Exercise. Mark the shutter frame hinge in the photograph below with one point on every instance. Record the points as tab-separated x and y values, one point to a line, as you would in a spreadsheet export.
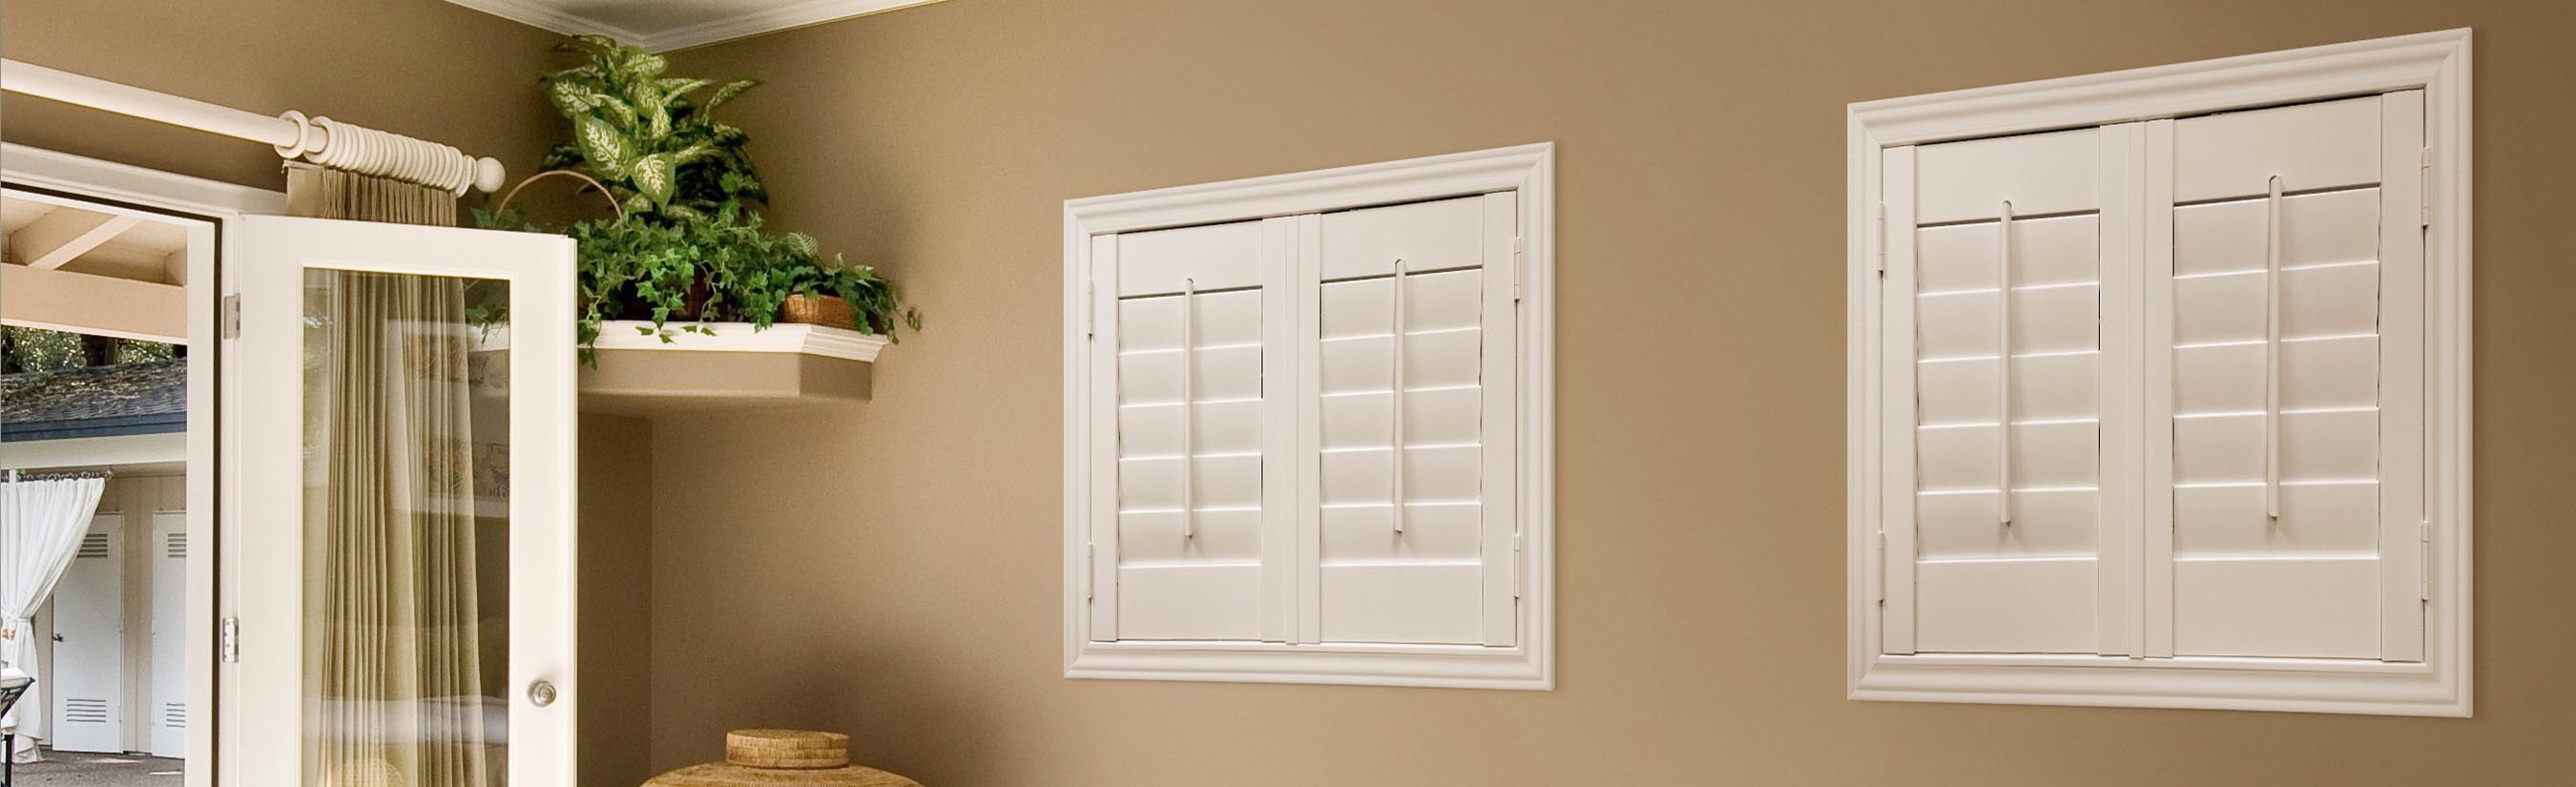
2424	560
2423	188
228	640
1881	256
1089	570
1882	566
1516	566
228	317
1520	255
1090	307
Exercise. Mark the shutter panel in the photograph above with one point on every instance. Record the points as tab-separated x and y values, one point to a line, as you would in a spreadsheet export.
1411	432
2290	309
1997	394
1193	511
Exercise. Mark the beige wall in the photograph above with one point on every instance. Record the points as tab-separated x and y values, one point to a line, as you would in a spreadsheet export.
615	608
892	570
421	67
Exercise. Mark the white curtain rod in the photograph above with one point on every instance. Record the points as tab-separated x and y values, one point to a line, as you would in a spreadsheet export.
320	140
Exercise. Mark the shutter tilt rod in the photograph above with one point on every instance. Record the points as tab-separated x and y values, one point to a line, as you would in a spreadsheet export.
2272	353
2003	366
1189	451
320	140
1395	401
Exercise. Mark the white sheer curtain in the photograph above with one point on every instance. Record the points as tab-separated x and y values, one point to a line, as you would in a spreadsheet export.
41	523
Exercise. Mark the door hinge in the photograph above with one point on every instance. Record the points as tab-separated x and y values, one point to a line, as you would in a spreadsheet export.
228	317
2424	188
1087	571
1881	256
1882	566
2423	560
228	641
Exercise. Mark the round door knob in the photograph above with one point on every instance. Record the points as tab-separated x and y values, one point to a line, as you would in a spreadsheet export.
542	693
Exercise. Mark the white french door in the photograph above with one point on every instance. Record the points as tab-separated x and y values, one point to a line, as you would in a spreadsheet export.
399	419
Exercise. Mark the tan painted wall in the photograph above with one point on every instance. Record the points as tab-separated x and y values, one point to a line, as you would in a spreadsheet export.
421	67
615	608
893	570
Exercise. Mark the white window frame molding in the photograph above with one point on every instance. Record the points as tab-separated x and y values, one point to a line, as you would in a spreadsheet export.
215	210
1531	664
2437	63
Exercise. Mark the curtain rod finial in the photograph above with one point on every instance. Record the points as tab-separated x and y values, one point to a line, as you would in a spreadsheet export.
489	175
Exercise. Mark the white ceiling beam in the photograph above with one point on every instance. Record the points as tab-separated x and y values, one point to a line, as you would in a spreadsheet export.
65	234
99	305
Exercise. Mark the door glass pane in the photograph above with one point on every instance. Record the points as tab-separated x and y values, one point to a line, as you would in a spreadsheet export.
406	530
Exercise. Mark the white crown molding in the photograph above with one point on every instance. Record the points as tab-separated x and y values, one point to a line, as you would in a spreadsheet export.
539	16
765	20
770	20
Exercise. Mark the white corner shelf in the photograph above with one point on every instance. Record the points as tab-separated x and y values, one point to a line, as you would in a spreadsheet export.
731	365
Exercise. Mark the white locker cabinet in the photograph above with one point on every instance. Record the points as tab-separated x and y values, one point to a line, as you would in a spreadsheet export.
1307	444
168	710
89	688
2160	387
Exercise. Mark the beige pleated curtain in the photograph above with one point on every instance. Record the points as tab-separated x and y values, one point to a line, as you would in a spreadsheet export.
395	688
320	193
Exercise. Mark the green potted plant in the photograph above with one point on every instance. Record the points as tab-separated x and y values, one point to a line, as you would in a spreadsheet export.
688	243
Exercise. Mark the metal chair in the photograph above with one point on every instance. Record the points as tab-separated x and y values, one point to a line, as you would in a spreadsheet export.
12	686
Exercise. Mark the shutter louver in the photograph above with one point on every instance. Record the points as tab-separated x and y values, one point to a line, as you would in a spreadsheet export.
2000	522
1190	317
2284	303
1410	424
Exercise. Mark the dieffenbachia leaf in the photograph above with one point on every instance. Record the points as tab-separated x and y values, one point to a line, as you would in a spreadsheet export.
574	99
654	177
680	86
607	149
727	93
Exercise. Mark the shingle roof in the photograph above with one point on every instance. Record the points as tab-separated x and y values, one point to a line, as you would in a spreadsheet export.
95	401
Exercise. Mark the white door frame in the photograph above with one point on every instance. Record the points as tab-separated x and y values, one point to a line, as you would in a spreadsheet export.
220	207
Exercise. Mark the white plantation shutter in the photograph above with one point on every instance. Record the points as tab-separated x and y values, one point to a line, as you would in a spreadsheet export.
2292	474
2207	369
2002	399
1256	488
1189	540
1410	435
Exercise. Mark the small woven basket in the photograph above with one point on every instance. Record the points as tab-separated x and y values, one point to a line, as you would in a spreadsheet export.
782	758
829	311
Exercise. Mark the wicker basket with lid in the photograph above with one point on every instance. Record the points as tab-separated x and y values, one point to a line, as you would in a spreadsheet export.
782	758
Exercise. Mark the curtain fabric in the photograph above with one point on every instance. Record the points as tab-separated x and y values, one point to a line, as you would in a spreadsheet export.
41	524
394	684
315	192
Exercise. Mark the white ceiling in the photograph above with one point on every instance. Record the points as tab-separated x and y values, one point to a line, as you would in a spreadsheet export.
664	25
